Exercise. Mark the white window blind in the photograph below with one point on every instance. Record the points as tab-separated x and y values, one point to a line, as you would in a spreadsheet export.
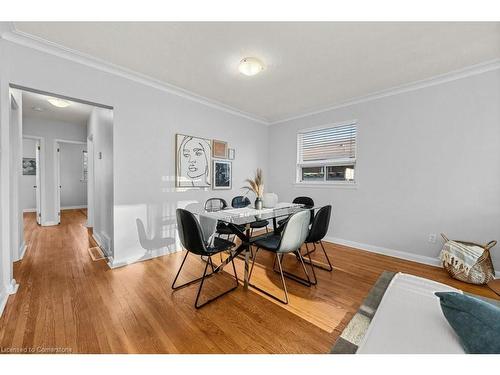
333	145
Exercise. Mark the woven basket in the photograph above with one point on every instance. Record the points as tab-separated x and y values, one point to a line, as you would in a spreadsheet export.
481	273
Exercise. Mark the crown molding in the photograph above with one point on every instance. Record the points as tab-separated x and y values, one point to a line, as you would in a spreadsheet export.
30	41
8	32
417	85
6	27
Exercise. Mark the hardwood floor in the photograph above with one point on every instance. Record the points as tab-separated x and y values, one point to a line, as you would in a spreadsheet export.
68	303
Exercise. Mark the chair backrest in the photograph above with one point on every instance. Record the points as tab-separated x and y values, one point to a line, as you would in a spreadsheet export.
320	224
190	232
306	201
240	202
215	204
295	232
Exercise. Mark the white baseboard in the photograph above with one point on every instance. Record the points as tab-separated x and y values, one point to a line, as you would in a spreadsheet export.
149	255
5	293
385	251
73	207
391	252
49	223
3	300
102	240
22	251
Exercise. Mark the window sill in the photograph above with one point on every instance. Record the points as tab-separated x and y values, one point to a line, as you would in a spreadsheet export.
327	185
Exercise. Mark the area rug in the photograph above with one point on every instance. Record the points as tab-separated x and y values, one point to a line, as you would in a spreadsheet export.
354	332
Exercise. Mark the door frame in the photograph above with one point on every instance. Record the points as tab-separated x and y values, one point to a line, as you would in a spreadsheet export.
41	169
57	171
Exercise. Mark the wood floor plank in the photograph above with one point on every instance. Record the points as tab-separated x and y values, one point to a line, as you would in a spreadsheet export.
66	300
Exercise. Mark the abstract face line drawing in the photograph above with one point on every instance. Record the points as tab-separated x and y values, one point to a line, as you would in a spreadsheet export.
193	161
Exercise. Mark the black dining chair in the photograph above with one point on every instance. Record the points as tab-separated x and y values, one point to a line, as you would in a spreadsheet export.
293	237
241	202
191	238
306	201
318	231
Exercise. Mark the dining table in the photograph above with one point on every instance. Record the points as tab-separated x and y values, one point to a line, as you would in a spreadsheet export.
239	220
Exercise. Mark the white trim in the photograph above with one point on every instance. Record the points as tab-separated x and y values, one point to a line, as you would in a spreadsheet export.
40	44
29	210
13	287
57	174
41	169
326	185
49	223
407	87
423	259
385	251
73	207
4	296
131	260
22	251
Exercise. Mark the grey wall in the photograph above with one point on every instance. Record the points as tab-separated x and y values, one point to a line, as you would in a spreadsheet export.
73	188
27	192
428	162
51	130
145	122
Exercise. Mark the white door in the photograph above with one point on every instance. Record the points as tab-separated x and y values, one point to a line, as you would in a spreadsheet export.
38	195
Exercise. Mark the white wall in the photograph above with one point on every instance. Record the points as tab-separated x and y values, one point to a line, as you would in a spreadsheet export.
26	190
100	131
51	130
73	188
428	162
145	121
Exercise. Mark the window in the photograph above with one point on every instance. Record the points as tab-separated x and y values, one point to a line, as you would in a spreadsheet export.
327	155
85	166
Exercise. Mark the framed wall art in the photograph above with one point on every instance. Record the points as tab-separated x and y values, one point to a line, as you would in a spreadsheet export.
222	176
192	161
219	149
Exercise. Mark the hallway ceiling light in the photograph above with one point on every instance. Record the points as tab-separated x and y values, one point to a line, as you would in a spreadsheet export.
250	66
59	103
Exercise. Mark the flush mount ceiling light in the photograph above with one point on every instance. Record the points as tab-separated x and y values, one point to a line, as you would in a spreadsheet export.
250	66
59	103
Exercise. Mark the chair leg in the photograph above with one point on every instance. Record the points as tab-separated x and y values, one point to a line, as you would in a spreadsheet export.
198	306
315	282
202	278
300	280
322	266
285	301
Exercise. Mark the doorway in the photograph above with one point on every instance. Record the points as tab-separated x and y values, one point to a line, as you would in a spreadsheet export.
71	172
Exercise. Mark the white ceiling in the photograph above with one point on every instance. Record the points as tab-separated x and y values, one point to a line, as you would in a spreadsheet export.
75	113
310	66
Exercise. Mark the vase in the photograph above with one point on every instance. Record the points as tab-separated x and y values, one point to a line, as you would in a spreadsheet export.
258	203
269	200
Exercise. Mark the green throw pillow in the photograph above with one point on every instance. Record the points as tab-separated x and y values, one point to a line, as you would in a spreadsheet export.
476	322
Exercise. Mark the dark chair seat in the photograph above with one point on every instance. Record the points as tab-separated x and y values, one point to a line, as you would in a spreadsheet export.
259	224
271	242
219	245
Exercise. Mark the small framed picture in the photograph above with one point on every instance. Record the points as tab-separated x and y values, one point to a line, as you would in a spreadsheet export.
219	149
29	166
230	154
222	171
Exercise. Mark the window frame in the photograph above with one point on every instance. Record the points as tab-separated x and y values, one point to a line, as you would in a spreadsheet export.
327	163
